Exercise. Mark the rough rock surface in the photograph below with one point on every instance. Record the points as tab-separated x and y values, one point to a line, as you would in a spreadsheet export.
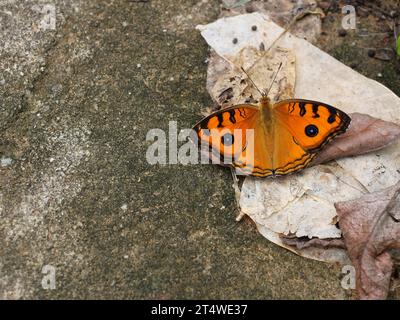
76	191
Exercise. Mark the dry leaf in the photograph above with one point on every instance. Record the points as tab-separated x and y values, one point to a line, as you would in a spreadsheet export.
302	243
300	204
333	254
282	206
371	228
282	12
366	134
229	86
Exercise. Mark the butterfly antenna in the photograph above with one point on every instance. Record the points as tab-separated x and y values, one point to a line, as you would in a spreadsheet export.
252	82
273	80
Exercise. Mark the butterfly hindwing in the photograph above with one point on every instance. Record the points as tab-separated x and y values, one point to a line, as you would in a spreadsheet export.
288	156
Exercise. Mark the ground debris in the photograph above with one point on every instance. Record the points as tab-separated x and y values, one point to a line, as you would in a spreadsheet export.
371	229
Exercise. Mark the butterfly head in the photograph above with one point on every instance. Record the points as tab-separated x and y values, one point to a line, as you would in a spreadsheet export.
265	103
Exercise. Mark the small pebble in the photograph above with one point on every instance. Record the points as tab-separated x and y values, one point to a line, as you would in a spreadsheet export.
235	40
384	54
371	53
254	28
249	9
324	5
5	162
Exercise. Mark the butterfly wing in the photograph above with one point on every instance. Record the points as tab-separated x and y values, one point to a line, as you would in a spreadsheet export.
231	136
237	136
302	128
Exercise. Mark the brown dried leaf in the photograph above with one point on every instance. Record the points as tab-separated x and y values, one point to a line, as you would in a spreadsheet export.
365	134
371	229
305	242
229	86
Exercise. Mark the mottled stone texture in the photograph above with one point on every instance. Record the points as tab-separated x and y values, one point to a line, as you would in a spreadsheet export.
76	191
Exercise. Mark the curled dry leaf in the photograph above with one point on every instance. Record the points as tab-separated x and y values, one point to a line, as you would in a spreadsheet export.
366	134
334	254
371	229
303	243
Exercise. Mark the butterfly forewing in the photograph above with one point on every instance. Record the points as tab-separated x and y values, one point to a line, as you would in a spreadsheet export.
228	135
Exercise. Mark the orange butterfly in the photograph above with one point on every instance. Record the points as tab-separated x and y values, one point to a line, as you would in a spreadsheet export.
286	136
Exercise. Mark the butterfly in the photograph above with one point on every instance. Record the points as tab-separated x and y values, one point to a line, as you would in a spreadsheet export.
270	139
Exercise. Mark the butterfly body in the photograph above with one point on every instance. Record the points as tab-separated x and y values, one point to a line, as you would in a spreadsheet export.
270	139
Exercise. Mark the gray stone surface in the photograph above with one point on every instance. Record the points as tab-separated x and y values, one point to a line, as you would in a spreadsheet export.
76	191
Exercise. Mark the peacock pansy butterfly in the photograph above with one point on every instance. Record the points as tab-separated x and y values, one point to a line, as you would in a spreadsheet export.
287	135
